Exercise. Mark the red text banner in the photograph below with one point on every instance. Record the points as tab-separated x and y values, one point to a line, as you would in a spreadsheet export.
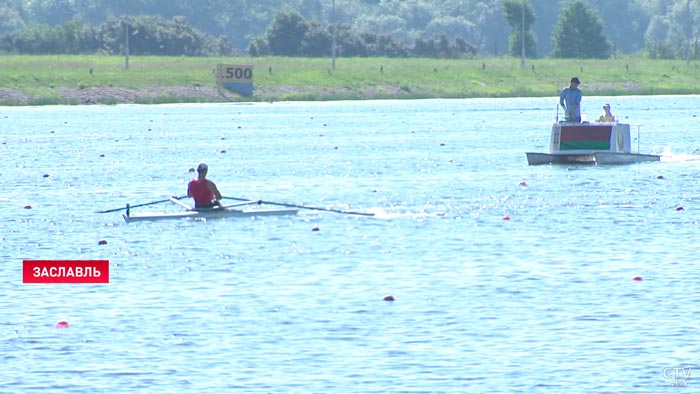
65	271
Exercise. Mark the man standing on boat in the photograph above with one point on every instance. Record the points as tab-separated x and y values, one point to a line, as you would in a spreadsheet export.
570	100
204	191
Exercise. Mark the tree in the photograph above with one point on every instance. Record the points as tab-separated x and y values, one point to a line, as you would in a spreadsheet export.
655	39
683	30
10	19
285	34
317	41
513	13
152	35
627	36
578	33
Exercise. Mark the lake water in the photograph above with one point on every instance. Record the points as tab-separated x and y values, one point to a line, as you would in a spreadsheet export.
543	302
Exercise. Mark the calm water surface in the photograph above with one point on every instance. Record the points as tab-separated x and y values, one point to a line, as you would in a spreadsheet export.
543	302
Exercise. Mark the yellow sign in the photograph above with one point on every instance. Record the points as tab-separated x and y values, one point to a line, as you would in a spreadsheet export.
237	73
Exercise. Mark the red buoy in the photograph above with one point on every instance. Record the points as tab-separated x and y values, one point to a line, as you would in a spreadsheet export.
389	297
680	208
523	183
638	278
62	324
506	217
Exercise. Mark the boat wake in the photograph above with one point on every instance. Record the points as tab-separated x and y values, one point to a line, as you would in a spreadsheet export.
380	213
668	156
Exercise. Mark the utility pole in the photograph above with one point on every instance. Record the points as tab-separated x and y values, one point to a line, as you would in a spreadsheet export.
333	48
522	36
126	44
688	33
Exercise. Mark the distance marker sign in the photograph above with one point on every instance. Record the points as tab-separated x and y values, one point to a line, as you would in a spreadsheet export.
236	78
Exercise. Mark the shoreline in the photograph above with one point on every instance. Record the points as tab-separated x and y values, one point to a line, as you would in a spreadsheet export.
118	95
198	94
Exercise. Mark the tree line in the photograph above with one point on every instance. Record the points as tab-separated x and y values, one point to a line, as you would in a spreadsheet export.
147	35
290	34
657	28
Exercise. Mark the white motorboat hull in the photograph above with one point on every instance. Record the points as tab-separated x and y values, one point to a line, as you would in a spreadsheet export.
534	158
623	158
597	158
585	143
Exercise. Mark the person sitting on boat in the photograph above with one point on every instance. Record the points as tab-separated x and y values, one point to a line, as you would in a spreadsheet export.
204	191
606	116
570	100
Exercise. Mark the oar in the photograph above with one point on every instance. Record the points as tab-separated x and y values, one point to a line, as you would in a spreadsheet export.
140	205
180	203
245	202
302	206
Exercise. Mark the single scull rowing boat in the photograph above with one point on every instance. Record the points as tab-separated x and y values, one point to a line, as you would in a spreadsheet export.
214	213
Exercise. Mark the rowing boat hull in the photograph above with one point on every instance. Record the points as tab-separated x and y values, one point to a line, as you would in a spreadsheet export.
210	214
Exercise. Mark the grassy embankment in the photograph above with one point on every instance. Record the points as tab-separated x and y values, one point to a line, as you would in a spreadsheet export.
51	79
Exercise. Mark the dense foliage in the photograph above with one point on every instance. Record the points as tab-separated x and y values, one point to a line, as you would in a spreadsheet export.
291	35
579	33
660	28
147	35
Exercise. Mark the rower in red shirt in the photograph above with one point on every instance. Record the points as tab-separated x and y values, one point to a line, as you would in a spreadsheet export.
204	191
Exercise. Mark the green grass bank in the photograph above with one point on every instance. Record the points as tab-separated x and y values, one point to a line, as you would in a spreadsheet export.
85	79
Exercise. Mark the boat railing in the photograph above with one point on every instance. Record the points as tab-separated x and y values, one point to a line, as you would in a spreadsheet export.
639	126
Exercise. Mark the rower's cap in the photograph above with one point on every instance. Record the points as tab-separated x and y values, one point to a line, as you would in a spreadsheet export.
575	80
202	167
606	106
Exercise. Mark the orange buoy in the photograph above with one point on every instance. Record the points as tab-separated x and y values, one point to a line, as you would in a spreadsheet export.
523	183
62	324
102	242
637	278
27	207
316	228
506	217
389	297
680	208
